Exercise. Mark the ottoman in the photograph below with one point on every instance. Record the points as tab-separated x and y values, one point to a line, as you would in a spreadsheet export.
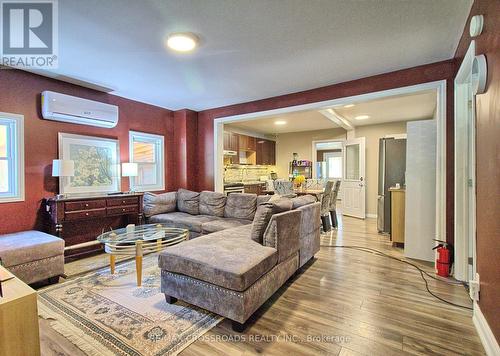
32	255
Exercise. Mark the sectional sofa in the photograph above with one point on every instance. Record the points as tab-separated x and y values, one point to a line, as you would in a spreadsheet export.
245	249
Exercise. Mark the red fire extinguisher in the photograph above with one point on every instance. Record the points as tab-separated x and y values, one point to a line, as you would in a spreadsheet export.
443	261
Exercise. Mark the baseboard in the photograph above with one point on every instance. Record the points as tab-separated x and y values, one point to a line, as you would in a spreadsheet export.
488	340
371	216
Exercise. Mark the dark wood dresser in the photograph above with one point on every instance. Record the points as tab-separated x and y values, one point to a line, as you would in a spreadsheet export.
79	220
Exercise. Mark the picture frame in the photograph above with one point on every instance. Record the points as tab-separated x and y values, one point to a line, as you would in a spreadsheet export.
97	164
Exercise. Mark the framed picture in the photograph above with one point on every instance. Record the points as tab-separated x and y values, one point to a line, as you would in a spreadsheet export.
97	164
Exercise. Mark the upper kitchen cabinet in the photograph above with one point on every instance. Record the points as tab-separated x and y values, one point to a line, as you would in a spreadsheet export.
247	143
266	152
230	141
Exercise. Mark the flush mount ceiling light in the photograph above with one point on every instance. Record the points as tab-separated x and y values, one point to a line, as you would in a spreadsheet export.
182	42
362	117
348	106
280	122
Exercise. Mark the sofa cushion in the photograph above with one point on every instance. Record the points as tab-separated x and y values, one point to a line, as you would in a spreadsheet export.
159	203
263	199
212	203
264	213
29	246
223	224
182	220
188	201
220	258
240	206
303	200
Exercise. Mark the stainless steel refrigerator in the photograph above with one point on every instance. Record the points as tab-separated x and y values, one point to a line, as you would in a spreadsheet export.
391	170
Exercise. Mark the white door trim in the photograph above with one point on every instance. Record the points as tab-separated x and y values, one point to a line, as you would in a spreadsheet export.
315	151
463	202
487	337
439	85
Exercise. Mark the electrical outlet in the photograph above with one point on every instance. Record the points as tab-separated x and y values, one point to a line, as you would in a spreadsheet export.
474	288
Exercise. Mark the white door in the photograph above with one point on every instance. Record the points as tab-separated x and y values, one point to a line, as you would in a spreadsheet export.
353	203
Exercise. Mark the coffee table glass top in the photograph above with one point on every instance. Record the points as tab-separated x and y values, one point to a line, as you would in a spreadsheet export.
149	232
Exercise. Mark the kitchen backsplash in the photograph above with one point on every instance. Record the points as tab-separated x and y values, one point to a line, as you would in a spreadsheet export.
237	173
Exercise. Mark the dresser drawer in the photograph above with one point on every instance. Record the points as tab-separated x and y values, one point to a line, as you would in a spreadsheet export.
84	205
120	210
122	201
85	214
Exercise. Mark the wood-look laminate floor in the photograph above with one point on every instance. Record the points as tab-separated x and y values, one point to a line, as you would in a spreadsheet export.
345	302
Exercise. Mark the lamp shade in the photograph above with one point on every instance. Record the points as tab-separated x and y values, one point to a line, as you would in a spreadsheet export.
129	169
63	168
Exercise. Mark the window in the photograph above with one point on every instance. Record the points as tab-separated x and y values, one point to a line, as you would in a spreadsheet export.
333	164
147	150
11	158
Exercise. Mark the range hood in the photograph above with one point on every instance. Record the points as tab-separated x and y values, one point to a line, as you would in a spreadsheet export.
230	153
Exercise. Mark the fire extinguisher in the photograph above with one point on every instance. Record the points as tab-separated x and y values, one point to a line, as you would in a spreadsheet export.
443	261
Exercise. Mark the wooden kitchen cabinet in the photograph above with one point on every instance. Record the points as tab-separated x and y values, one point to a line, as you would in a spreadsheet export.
247	143
397	216
231	141
257	188
266	152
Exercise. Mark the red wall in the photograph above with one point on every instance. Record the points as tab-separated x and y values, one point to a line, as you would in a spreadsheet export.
20	94
417	75
487	161
185	146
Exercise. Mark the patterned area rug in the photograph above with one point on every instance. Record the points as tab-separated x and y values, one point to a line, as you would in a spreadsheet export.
105	314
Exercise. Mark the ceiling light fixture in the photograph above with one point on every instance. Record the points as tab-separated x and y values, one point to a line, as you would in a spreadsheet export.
348	106
280	122
182	42
362	117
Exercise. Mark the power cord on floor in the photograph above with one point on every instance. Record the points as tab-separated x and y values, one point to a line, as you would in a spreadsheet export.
422	272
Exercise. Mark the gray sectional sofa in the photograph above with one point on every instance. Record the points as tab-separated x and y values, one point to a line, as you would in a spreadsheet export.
245	249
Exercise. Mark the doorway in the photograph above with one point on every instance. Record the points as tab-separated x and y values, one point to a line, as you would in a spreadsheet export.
465	171
438	86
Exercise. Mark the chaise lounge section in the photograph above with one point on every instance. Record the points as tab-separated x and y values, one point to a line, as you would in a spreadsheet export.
233	271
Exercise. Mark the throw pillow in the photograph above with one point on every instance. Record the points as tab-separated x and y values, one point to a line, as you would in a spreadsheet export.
159	203
188	201
212	203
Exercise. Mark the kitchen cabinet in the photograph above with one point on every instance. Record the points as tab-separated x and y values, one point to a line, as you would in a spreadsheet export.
247	143
231	141
266	152
256	188
397	216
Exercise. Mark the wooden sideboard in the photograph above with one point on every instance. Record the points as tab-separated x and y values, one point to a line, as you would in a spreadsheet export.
18	317
93	213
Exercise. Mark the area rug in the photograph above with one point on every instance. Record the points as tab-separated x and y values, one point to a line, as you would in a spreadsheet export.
105	314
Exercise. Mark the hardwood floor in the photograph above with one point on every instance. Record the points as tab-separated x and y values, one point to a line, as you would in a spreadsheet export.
345	302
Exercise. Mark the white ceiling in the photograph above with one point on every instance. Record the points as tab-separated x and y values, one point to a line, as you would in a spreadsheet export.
418	106
295	122
250	49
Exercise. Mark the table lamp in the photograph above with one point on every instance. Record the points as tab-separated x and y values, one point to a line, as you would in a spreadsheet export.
63	168
130	169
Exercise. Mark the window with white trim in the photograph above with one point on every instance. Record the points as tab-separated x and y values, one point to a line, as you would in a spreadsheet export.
11	158
147	150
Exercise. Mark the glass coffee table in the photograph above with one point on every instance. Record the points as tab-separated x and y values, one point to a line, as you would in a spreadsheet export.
139	240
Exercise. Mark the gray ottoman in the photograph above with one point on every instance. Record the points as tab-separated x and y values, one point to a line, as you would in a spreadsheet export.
32	255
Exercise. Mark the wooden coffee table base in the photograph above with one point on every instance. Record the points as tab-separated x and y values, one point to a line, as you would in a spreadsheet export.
137	249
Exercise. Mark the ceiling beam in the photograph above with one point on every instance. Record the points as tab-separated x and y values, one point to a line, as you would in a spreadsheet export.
338	119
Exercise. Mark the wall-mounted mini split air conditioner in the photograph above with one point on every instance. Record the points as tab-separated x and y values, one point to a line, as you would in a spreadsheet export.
67	108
